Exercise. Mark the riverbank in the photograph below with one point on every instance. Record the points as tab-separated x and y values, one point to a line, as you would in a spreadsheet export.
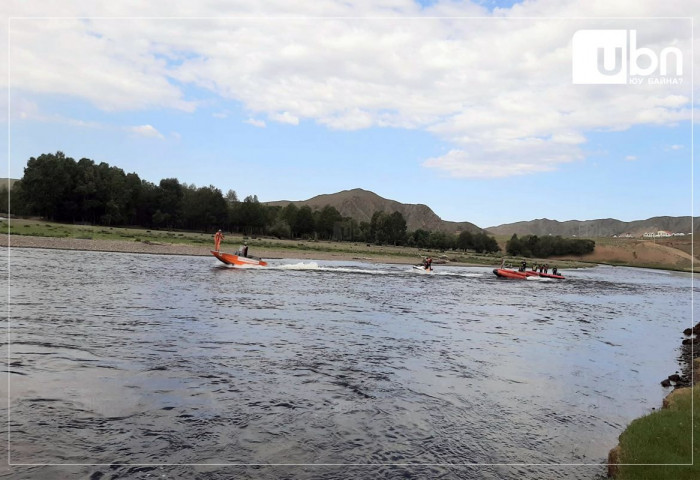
164	248
661	445
37	233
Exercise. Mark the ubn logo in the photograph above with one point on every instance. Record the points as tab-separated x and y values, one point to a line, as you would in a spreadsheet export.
606	57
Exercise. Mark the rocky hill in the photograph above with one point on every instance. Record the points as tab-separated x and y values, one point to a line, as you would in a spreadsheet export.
597	228
361	204
4	182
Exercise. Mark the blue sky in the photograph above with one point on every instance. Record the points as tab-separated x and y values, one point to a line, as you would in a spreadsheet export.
477	118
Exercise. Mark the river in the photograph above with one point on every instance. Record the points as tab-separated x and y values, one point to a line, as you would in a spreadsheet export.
145	366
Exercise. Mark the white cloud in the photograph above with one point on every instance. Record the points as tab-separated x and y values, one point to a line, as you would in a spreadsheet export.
256	123
497	90
676	147
146	131
284	117
630	158
462	164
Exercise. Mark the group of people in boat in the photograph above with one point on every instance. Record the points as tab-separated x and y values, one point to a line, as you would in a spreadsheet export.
218	238
542	268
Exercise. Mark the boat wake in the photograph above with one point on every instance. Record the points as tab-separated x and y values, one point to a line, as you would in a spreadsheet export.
398	270
313	266
538	279
442	272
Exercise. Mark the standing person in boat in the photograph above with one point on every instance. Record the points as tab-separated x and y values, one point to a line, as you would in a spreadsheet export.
218	237
523	266
427	264
244	250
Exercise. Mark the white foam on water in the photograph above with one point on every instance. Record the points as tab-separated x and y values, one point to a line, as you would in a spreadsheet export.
313	266
447	273
297	266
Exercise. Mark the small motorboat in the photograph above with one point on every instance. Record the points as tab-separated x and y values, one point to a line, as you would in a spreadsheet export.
506	273
238	260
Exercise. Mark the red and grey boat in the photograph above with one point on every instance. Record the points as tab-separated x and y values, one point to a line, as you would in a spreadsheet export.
507	273
238	260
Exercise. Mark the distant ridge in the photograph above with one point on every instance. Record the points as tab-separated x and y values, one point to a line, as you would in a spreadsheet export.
4	182
361	204
597	228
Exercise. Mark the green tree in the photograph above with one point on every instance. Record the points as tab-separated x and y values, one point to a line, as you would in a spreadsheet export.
48	184
395	225
204	208
514	246
252	215
365	230
421	238
442	241
377	228
326	221
231	197
465	241
170	203
4	199
491	245
304	222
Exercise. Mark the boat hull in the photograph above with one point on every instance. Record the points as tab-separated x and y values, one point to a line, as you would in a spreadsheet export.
549	275
505	273
238	261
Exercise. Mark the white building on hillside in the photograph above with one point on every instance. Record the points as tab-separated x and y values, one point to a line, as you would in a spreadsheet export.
659	234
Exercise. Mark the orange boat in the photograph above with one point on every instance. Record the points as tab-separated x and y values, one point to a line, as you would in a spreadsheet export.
239	261
506	273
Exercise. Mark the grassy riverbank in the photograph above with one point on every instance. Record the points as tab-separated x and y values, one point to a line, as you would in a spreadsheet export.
88	237
663	438
668	255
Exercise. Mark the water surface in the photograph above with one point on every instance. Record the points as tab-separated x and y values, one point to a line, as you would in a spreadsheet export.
130	360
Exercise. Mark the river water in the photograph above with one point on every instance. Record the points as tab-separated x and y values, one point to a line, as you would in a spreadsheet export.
141	366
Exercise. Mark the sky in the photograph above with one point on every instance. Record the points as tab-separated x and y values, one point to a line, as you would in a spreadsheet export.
486	111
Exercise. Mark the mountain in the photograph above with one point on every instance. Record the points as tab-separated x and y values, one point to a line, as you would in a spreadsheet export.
361	204
4	182
606	227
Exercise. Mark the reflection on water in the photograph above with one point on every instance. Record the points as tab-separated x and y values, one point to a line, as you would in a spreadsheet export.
130	360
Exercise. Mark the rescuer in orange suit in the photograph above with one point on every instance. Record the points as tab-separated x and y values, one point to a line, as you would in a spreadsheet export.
218	236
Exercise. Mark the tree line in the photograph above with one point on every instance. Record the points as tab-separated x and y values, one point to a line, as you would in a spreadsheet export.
59	188
544	247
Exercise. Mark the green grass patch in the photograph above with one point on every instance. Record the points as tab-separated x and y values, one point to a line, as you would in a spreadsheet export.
663	438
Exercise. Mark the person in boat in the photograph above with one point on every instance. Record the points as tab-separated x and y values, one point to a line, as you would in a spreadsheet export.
554	270
427	263
244	250
218	237
523	266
